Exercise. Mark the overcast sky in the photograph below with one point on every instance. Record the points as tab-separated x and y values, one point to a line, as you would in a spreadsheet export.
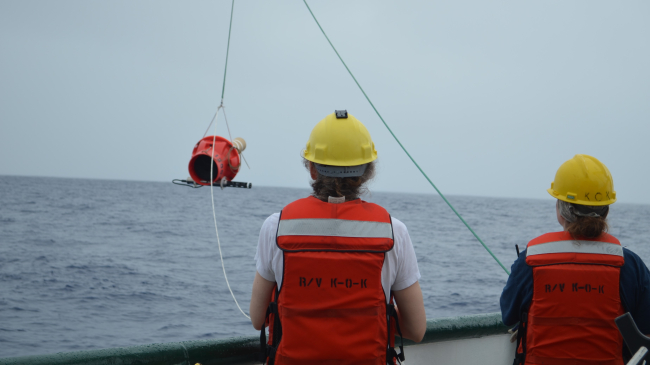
490	97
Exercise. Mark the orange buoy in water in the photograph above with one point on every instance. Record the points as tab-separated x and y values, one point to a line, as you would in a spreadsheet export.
227	159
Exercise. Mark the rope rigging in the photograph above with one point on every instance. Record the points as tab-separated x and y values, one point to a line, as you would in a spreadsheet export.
400	143
214	120
225	69
222	108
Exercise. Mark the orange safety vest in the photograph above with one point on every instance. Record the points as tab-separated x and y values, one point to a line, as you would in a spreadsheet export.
576	298
331	307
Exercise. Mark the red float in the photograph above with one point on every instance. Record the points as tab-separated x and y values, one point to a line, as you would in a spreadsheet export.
226	163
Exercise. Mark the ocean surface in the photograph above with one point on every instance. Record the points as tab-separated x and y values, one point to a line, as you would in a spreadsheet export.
91	264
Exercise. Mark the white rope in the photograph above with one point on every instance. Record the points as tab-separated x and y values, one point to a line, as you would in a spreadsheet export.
214	213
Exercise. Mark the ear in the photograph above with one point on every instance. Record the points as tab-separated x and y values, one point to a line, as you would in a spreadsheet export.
312	171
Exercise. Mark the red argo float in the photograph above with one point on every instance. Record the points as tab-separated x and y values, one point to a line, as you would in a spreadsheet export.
226	163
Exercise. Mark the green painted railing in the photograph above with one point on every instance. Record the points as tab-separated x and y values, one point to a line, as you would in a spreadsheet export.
241	350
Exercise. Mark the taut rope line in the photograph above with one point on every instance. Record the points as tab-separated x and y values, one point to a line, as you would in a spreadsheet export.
223	87
400	143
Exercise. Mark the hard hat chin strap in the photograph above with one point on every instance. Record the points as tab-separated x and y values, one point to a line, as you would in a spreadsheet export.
341	171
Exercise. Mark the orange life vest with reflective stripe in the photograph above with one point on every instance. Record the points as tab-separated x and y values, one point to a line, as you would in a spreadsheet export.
575	301
332	308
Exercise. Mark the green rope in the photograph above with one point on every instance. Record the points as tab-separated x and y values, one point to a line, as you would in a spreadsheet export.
400	143
223	88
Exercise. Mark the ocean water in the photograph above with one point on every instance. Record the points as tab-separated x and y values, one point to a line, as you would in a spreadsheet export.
90	264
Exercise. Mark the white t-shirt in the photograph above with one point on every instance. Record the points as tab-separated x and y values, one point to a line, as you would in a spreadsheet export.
400	268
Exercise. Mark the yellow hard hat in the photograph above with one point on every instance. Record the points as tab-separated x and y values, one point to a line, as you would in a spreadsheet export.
340	140
583	180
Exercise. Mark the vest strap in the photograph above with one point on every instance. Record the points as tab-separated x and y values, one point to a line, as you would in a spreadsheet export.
392	355
270	351
520	358
540	360
264	353
391	312
267	351
522	331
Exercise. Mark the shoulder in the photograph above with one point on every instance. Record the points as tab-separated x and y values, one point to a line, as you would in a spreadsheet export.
520	271
270	225
520	262
266	245
635	289
402	247
406	271
521	275
398	225
400	232
634	278
272	220
630	256
634	265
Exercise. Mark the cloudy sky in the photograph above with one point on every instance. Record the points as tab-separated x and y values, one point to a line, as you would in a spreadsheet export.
490	97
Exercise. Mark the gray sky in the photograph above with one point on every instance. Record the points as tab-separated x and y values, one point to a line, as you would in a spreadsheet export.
490	97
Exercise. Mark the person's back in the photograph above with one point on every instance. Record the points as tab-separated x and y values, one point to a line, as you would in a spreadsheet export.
328	265
575	299
332	296
567	287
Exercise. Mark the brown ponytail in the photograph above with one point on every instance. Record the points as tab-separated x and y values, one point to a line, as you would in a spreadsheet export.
588	227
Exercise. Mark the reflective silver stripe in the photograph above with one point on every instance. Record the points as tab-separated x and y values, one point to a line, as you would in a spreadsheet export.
334	227
574	246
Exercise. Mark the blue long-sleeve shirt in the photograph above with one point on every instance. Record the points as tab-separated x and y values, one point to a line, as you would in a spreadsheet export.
634	289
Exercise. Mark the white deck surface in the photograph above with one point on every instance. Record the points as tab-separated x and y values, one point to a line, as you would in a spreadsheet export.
489	350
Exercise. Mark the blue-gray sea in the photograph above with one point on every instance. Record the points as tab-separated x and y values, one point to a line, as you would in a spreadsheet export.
90	264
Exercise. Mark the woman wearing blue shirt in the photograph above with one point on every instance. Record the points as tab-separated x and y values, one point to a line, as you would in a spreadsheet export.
567	287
